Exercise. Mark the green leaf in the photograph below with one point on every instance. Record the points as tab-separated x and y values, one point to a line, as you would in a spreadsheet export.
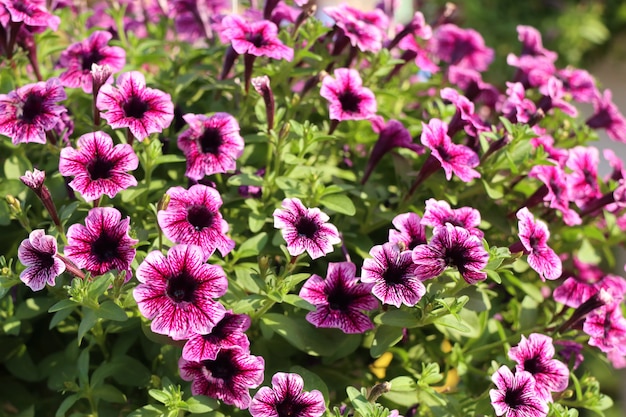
89	320
111	311
33	307
159	395
299	333
82	365
297	301
63	305
149	411
398	318
252	246
200	404
168	159
109	393
67	403
99	285
340	203
430	374
403	383
245	179
385	337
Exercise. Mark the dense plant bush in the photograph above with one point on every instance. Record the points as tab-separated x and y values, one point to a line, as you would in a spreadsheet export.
220	213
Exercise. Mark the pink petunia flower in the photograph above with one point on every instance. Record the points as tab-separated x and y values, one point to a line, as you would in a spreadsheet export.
98	167
348	99
607	116
364	30
255	38
30	12
305	229
133	105
535	355
579	83
454	159
516	107
438	213
555	191
192	19
192	217
465	118
27	113
462	47
37	253
515	395
583	180
606	327
103	243
287	398
534	235
229	377
228	333
78	58
392	272
211	144
451	246
176	292
532	44
409	231
340	300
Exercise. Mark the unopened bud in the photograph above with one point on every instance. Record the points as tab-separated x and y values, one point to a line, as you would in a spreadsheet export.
163	202
378	390
14	204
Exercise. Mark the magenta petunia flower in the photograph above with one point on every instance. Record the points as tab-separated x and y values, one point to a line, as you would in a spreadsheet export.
607	116
451	246
103	243
30	12
27	113
438	213
454	159
534	235
98	167
211	144
133	105
579	83
348	99
557	193
535	355
229	377
192	217
409	231
532	43
255	38
606	326
583	180
465	118
228	333
462	47
515	395
192	19
176	292
37	253
305	229
571	352
287	398
340	299
364	30
516	107
392	272
78	58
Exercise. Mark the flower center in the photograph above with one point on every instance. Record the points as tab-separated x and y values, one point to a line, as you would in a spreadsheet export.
221	368
513	398
210	141
455	256
287	408
307	227
99	168
394	274
256	40
443	154
199	217
338	300
533	365
135	107
105	248
33	107
90	58
181	288
349	101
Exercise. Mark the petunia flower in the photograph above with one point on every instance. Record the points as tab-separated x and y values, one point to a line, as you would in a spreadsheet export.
583	180
78	58
515	395
35	181
532	43
365	30
534	235
340	300
451	246
462	47
409	231
211	144
287	398
305	229
535	355
98	167
37	253
29	12
176	292
606	327
192	217
438	213
103	243
27	113
579	83
229	377
570	351
228	333
607	116
392	272
465	118
255	38
131	104
348	99
555	191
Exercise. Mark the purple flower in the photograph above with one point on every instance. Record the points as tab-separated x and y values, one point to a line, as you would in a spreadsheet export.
535	355
30	12
515	395
516	107
571	352
606	327
393	274
556	191
465	117
454	159
340	299
534	235
255	38
451	246
133	105
287	398
37	253
98	167
103	243
607	116
438	213
211	144
228	377
228	333
579	83
192	18
364	30
79	57
27	113
348	99
192	217
532	43
305	229
583	180
177	292
410	231
462	47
